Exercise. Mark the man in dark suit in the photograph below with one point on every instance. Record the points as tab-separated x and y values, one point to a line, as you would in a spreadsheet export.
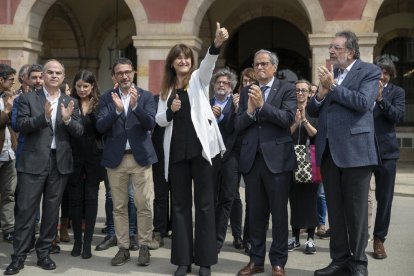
47	118
267	160
388	111
126	118
346	150
227	171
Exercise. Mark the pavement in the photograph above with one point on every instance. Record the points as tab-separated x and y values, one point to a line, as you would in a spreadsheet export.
399	246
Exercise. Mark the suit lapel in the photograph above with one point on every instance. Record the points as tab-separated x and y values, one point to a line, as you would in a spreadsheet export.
227	107
273	90
41	99
62	99
117	91
386	92
352	74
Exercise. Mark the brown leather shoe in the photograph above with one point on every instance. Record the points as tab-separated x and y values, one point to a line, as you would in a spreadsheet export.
250	269
278	271
379	250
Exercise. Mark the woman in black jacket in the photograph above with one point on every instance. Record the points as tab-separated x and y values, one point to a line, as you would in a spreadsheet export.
87	174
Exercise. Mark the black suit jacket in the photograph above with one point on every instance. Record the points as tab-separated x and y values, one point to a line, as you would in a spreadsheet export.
388	112
226	126
269	129
31	122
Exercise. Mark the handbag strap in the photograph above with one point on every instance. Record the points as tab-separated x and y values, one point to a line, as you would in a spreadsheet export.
307	139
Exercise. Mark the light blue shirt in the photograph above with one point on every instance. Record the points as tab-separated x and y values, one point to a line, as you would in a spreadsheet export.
221	105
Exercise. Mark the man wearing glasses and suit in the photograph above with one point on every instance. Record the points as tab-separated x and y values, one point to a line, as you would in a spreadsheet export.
126	118
346	150
267	160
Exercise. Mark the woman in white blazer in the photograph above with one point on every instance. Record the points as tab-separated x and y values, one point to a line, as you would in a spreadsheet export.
192	140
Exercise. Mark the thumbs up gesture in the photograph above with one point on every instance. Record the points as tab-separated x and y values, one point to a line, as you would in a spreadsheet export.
176	104
221	36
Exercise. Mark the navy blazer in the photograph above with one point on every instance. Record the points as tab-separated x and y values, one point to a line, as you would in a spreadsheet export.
388	112
136	127
31	122
346	118
228	132
269	129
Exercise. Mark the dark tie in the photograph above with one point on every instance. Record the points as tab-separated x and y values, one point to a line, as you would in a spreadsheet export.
264	88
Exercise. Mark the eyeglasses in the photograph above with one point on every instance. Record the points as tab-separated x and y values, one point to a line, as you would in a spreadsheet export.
222	82
335	47
263	64
51	73
122	73
303	91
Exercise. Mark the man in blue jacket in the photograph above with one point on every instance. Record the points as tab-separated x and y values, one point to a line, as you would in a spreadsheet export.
346	150
126	118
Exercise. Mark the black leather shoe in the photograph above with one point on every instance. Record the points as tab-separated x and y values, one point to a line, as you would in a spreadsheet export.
46	263
238	243
14	267
332	269
133	244
204	271
107	243
182	270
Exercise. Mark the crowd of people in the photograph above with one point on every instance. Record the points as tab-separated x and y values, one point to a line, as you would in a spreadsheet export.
58	144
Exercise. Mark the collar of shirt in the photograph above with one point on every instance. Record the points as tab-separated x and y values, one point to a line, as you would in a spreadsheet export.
218	102
269	85
48	97
124	96
54	104
342	73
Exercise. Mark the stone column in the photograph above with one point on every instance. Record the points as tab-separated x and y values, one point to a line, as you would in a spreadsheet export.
151	54
19	51
320	54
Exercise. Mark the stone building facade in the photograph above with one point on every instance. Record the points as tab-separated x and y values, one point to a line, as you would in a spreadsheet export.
79	33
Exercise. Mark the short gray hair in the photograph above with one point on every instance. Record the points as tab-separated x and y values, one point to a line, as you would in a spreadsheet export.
272	56
227	72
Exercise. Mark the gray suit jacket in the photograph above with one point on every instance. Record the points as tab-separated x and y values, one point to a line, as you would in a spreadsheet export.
31	122
345	118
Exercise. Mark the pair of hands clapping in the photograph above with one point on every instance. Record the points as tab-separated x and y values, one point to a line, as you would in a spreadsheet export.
65	111
326	79
132	102
255	100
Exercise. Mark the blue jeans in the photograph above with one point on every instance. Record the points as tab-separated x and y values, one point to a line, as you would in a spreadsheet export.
132	211
321	204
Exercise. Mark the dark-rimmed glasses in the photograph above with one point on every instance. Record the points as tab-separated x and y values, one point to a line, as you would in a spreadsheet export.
303	91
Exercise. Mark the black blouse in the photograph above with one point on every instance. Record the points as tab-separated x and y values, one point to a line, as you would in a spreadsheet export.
185	144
